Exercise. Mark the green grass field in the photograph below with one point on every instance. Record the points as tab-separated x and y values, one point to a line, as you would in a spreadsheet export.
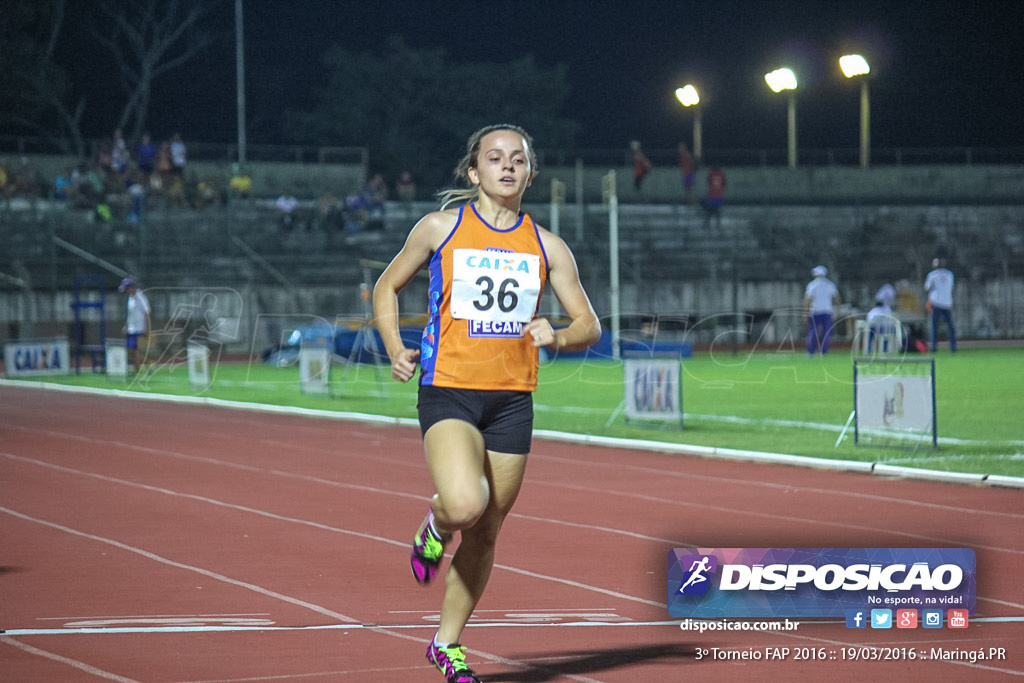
772	402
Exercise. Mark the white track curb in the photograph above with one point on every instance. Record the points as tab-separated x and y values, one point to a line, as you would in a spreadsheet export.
586	439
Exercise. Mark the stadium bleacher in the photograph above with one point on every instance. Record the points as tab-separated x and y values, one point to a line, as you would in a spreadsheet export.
672	261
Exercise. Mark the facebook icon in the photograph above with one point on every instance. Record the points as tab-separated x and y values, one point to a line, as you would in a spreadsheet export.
856	618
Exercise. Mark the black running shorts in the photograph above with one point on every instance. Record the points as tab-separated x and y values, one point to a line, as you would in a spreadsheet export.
505	418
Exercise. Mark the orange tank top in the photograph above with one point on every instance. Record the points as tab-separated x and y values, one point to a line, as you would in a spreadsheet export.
485	284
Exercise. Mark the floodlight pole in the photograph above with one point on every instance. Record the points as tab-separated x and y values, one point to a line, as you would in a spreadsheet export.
855	66
791	128
698	136
690	98
611	197
240	79
865	124
557	200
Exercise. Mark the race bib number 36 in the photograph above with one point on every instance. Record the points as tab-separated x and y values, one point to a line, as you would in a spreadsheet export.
495	286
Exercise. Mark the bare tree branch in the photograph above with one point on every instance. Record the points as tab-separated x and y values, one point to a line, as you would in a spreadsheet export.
147	39
32	84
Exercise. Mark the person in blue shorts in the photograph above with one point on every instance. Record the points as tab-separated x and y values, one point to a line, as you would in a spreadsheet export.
137	323
939	285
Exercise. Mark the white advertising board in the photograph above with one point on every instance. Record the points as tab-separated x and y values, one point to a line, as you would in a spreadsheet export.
894	399
198	366
33	357
654	389
115	358
314	368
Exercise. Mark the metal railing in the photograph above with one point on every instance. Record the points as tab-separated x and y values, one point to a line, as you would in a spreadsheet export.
203	151
831	156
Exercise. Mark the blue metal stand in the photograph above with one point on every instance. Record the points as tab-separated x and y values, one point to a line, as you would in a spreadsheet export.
95	352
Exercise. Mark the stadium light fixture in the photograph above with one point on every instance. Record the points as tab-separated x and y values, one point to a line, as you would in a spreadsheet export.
688	97
785	80
781	79
855	66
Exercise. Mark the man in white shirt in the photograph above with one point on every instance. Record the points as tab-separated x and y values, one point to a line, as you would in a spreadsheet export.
821	305
884	330
939	285
137	321
886	294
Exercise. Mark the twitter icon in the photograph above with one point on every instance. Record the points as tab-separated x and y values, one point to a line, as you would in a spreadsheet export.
881	618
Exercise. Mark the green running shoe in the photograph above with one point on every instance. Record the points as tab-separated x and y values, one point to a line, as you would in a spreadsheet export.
451	661
427	552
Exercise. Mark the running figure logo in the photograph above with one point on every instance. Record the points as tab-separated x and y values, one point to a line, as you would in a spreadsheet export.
696	581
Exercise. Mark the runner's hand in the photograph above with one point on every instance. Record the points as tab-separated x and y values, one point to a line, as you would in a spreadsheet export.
542	332
403	364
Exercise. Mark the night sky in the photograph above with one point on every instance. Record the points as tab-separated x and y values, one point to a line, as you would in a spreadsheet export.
944	73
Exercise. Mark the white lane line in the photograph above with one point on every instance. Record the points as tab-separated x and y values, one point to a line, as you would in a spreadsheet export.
430	626
537	455
603	492
689	476
516	570
270	515
187	567
637	468
81	666
635	444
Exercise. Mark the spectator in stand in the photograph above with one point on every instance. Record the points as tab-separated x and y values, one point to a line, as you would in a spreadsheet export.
687	169
374	194
405	189
145	153
641	167
136	197
5	181
90	189
63	186
355	211
118	153
104	156
329	212
163	167
27	180
240	184
178	156
715	198
821	307
208	193
286	208
939	285
174	188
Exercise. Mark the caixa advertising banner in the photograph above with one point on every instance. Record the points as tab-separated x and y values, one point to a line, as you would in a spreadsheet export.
817	582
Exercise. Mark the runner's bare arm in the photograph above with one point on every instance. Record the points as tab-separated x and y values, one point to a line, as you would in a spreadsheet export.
423	239
564	279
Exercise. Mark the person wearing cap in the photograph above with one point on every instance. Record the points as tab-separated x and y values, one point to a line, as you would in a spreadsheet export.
137	321
821	305
939	285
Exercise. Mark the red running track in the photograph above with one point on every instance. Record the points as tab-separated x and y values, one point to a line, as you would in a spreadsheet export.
159	542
